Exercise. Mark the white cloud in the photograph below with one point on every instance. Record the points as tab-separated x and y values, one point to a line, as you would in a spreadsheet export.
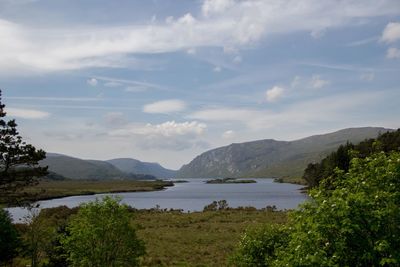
213	7
223	23
26	113
166	129
92	82
393	53
317	82
217	69
165	106
172	128
299	115
223	114
131	85
391	33
228	134
274	93
169	135
57	99
191	51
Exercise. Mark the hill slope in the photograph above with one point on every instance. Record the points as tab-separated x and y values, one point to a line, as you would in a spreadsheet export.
75	168
136	166
271	158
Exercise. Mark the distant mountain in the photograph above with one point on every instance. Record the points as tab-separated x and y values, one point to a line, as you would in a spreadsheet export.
271	158
136	166
75	168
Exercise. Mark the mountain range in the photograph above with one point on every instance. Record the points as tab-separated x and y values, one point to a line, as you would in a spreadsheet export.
272	158
75	168
262	158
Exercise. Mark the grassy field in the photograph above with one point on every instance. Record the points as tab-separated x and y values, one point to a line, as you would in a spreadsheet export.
197	239
172	238
47	189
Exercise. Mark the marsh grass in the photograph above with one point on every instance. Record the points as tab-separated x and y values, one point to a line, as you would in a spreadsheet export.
48	189
199	238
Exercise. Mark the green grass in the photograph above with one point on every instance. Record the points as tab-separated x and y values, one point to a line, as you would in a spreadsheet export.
47	189
173	238
197	239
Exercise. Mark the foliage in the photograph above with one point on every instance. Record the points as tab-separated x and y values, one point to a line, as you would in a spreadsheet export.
9	240
56	253
325	170
19	165
217	205
38	233
198	238
258	247
355	224
101	235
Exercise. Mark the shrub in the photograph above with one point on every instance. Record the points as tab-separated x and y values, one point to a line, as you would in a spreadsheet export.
9	240
258	247
100	234
355	224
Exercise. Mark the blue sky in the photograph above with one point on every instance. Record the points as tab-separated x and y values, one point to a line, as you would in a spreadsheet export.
165	80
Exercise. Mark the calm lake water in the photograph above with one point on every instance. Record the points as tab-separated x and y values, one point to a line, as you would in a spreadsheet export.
194	195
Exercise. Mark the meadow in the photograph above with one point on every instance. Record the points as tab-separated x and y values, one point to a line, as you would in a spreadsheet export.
199	238
171	238
49	189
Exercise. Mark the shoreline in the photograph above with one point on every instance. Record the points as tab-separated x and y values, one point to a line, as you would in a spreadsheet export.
48	190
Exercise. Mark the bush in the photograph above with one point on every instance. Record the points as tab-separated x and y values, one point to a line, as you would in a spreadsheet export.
355	224
9	240
259	246
100	234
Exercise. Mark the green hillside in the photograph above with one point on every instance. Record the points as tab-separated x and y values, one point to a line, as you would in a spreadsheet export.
128	165
75	168
271	158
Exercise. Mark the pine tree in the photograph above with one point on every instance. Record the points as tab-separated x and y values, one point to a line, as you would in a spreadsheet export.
19	162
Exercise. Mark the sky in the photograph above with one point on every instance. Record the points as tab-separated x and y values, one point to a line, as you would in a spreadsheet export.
165	80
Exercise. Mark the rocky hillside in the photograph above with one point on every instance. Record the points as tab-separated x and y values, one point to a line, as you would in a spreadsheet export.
271	158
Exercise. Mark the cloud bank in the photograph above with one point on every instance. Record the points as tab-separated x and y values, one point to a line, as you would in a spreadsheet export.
221	23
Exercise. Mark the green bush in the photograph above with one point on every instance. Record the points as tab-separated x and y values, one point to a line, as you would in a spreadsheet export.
258	247
9	240
100	234
356	224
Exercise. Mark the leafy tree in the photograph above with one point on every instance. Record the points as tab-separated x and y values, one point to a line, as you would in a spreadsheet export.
325	170
9	240
18	160
354	224
258	247
101	235
37	236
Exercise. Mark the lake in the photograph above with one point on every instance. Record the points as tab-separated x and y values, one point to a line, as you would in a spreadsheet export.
194	195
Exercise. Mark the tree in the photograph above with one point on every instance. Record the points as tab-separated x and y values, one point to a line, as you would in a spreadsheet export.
38	236
9	240
19	161
354	224
259	246
100	234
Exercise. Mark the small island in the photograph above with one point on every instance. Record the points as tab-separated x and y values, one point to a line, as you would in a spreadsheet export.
230	181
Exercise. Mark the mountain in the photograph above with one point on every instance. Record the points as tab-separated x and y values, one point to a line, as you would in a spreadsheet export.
135	166
271	158
75	168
